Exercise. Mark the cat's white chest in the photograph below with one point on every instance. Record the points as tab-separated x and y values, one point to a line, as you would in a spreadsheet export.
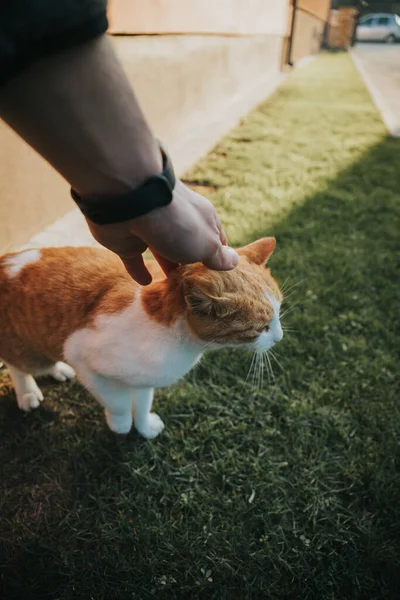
134	349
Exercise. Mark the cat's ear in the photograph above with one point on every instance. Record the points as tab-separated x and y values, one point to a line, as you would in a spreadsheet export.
204	304
259	252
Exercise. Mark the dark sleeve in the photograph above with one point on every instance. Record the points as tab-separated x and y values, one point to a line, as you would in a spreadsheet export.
32	29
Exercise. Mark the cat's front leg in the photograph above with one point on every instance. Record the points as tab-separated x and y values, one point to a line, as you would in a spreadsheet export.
147	423
116	398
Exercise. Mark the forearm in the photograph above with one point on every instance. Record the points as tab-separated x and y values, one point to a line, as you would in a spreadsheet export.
78	110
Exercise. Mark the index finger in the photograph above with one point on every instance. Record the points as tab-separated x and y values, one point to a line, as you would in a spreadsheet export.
166	264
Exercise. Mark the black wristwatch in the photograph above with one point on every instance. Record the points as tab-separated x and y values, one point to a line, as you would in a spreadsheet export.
153	193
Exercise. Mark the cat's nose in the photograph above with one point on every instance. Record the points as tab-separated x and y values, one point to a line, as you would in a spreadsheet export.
278	334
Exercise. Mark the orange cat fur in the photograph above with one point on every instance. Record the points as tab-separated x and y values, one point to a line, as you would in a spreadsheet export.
79	305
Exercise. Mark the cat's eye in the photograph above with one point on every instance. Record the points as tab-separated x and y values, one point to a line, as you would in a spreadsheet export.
266	328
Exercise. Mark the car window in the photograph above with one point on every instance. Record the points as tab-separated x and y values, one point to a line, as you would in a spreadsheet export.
383	21
366	22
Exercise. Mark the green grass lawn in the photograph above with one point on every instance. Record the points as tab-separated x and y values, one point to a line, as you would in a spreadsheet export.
290	491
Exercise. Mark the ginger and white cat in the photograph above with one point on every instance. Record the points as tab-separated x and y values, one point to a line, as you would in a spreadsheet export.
79	305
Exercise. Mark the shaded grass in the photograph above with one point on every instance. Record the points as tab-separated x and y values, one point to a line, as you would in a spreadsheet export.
289	491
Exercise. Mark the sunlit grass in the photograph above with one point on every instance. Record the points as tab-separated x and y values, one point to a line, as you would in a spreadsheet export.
320	122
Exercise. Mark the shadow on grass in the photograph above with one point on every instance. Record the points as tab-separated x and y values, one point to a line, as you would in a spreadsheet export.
84	514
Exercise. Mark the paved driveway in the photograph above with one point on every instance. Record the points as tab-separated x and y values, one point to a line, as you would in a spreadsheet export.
379	64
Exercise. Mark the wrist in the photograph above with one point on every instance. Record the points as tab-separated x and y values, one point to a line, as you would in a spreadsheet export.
155	192
114	175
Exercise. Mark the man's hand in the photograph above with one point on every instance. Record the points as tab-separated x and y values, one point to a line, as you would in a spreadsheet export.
186	231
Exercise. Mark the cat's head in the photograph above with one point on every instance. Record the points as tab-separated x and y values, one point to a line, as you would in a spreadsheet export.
239	307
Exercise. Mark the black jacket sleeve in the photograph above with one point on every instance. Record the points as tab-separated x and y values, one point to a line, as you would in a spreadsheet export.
32	29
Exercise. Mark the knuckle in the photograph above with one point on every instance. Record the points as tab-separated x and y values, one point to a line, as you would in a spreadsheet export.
213	246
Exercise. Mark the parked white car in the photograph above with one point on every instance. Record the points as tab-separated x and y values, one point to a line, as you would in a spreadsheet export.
379	27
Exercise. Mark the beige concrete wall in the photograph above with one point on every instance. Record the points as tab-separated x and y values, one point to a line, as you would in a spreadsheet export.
318	8
307	36
230	17
32	195
308	17
184	82
192	88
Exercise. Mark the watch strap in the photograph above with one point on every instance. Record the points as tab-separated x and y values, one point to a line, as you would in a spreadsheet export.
155	192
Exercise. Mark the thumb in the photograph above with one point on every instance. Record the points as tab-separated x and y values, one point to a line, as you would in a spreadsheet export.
137	269
224	259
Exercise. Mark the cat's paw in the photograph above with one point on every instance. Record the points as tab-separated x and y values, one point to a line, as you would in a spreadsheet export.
30	399
62	372
152	427
119	423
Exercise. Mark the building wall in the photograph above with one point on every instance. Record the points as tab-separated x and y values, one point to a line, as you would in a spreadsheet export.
226	17
310	19
32	195
307	35
185	82
317	8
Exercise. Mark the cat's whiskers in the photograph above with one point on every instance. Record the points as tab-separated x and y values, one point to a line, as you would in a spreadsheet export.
283	286
270	365
285	291
286	298
275	352
273	355
261	371
255	370
288	310
258	378
249	371
266	365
